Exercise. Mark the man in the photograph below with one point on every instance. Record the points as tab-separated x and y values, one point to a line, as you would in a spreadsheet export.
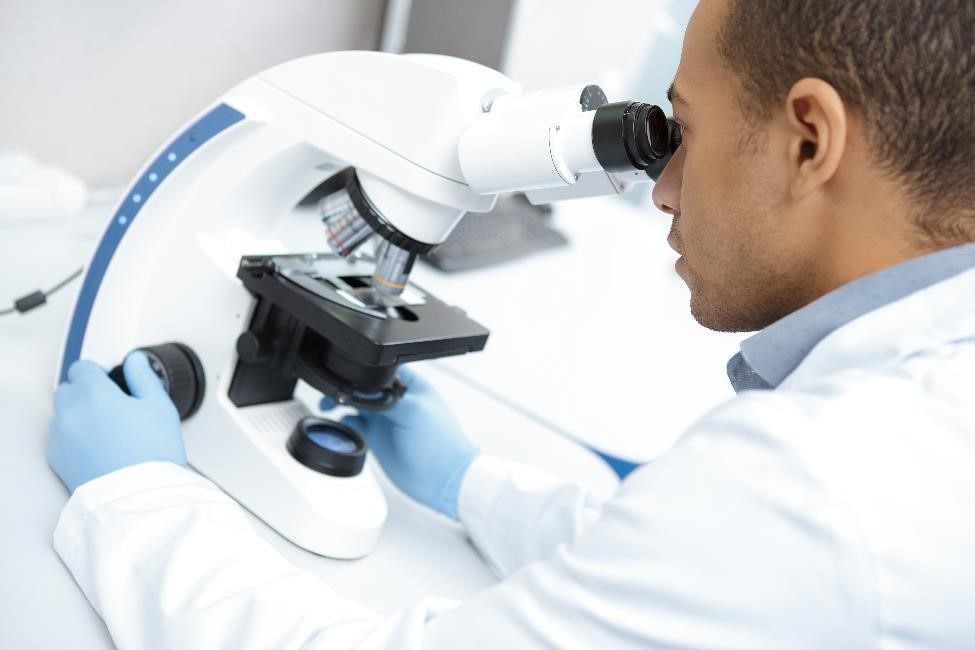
824	193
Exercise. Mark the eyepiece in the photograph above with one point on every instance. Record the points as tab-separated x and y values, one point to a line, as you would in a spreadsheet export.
657	131
674	141
629	135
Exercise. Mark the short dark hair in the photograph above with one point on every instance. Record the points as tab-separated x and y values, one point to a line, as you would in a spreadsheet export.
905	67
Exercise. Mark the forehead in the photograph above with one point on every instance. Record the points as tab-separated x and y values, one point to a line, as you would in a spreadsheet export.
700	68
705	22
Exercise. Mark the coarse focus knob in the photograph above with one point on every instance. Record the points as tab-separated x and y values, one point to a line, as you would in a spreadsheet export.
179	370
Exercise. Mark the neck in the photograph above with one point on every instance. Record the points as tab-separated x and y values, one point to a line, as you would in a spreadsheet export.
867	236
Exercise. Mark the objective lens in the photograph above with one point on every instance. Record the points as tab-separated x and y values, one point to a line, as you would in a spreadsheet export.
345	229
393	266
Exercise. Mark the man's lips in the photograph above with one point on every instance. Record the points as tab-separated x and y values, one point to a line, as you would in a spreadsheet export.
675	244
674	240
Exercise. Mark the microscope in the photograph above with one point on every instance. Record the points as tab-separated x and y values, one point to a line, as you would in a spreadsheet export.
235	296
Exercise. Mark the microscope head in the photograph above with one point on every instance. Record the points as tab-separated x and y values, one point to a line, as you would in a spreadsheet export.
405	146
542	143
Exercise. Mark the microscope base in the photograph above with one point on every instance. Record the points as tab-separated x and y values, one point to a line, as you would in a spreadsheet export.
246	456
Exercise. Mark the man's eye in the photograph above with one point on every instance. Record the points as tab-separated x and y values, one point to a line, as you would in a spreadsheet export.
676	135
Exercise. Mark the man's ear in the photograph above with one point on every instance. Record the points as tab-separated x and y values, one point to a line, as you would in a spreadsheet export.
817	124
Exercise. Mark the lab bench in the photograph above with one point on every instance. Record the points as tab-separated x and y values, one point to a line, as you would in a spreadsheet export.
591	342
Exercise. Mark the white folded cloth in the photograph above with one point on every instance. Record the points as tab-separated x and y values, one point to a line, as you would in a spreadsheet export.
31	190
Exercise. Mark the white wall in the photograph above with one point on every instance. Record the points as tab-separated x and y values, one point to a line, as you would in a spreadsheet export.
556	42
96	86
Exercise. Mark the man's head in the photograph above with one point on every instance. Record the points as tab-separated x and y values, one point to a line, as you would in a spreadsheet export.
823	140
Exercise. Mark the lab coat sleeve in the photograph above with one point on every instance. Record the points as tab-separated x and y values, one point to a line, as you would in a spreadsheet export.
516	514
730	540
169	561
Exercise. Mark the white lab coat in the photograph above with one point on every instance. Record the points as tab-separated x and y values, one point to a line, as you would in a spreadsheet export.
835	512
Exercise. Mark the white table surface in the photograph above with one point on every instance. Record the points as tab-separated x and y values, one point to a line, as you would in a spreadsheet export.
593	341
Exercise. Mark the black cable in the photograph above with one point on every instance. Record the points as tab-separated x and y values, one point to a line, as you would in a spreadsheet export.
37	298
63	283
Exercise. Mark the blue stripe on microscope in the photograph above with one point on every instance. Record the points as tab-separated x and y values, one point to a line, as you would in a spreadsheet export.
220	118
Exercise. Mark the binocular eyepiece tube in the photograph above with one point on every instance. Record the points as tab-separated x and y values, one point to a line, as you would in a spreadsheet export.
549	139
544	140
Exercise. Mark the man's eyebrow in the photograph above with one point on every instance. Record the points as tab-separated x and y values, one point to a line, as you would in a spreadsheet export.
675	97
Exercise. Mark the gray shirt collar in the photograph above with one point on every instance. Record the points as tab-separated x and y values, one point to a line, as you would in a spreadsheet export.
770	356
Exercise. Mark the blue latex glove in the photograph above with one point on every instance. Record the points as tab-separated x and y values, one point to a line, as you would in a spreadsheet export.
418	443
98	429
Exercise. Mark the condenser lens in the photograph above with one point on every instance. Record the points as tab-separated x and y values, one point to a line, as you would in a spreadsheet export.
332	440
327	446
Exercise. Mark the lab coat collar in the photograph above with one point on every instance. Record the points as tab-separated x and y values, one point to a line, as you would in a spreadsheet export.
934	318
770	356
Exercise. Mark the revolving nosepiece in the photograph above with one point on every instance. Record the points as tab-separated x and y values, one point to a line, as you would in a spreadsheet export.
345	229
351	218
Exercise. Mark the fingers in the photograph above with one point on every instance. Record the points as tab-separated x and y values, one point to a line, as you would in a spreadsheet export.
139	377
356	422
63	398
361	425
368	425
327	404
406	375
55	458
86	371
414	382
373	432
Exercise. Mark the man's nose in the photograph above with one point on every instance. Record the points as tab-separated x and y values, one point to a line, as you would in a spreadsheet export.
666	192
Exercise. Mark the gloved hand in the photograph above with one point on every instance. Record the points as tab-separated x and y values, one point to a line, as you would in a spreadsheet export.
98	429
418	443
